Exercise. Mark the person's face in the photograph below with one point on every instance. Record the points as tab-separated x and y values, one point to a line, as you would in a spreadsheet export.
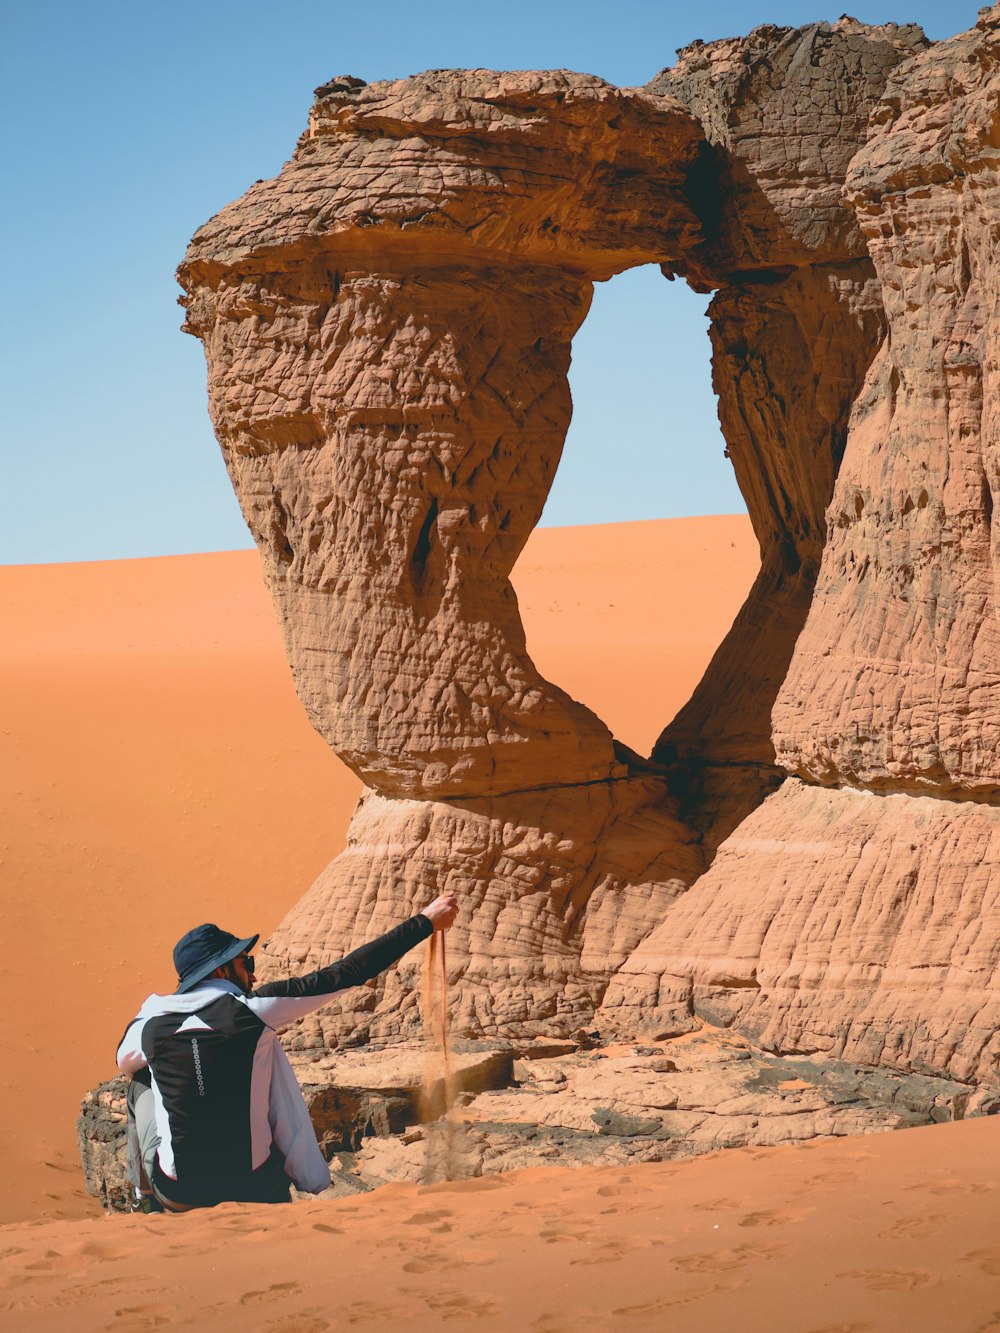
242	970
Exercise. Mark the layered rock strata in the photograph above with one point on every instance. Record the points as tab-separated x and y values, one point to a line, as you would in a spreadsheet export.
894	682
557	889
537	1103
855	911
388	325
841	923
796	320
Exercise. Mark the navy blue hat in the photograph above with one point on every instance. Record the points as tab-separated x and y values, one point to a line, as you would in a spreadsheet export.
198	953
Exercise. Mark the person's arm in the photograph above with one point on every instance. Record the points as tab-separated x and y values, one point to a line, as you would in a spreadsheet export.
281	1002
130	1056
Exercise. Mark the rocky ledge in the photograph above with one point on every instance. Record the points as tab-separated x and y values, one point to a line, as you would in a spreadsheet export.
380	1115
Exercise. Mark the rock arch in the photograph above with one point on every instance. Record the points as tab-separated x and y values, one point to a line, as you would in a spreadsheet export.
387	326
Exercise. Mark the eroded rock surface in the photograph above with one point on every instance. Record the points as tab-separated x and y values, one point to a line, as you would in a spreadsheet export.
557	889
838	922
796	320
388	327
863	919
894	683
532	1104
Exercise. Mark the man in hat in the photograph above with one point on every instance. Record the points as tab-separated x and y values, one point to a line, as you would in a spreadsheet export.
214	1110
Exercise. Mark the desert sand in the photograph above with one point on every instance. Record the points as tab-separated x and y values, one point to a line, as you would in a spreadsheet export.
889	1232
158	769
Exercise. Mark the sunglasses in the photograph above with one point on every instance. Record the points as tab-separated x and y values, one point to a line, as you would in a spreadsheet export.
245	958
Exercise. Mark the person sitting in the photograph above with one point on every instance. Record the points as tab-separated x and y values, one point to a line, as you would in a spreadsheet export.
215	1112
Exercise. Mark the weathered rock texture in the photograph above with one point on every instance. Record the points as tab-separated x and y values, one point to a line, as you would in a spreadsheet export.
541	1103
388	327
839	922
863	920
796	320
894	684
557	889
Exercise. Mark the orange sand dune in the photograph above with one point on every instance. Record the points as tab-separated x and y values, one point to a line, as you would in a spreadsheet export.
878	1235
156	770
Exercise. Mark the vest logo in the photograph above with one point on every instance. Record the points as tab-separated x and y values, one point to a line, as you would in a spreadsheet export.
193	1024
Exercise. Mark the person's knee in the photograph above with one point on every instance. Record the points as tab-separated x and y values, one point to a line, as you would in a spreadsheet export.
141	1082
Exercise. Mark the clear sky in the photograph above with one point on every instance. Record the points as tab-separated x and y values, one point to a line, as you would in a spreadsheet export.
127	125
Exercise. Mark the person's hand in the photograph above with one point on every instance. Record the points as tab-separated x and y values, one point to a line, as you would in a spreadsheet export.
442	911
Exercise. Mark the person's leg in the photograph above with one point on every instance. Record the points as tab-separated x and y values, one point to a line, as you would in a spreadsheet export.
143	1140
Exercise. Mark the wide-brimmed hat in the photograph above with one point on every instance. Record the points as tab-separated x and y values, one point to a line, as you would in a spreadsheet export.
202	950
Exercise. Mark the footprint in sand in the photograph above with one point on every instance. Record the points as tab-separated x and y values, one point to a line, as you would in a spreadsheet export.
146	1316
555	1234
50	1260
912	1228
833	1178
768	1218
306	1321
429	1218
572	1320
376	1315
677	1301
841	1328
275	1292
611	1191
108	1286
721	1261
494	1230
611	1251
638	1311
449	1303
329	1230
987	1261
436	1261
616	1191
890	1279
953	1187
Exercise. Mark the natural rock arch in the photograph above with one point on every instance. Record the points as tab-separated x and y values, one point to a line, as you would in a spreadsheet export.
387	326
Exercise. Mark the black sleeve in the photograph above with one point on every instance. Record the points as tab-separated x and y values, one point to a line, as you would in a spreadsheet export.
358	967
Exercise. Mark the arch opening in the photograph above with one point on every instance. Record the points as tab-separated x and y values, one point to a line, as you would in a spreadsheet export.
645	552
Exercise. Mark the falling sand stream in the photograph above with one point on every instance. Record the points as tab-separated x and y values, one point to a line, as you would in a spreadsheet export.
444	1134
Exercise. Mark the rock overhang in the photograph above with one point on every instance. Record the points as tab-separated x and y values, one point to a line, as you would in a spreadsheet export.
402	503
550	168
388	325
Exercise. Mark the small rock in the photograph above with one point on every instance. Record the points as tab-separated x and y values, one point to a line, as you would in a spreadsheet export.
624	1126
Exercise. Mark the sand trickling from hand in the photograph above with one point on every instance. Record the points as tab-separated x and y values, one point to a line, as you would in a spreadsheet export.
445	1134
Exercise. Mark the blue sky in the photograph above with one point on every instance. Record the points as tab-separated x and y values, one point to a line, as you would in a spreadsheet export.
127	125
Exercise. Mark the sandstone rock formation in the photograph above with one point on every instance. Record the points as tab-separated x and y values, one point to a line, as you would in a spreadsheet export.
388	326
894	684
796	320
542	1103
872	928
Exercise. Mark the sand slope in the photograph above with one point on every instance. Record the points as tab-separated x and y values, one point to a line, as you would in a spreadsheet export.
156	770
886	1233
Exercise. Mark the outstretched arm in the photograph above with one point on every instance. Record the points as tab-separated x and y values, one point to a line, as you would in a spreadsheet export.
281	1002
